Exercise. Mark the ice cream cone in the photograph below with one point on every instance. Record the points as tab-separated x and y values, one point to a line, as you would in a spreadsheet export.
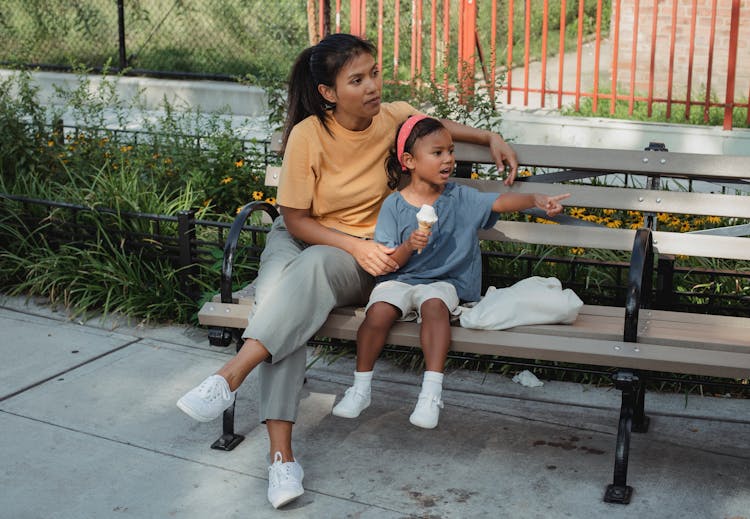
423	226
426	218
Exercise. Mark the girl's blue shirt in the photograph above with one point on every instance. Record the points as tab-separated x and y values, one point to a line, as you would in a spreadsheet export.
452	254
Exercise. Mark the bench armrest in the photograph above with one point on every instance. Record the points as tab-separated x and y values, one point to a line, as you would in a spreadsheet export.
639	282
232	241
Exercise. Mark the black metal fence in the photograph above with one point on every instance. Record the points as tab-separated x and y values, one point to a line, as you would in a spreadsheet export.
194	246
201	38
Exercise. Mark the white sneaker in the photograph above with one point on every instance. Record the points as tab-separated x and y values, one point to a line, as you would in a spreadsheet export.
284	481
353	403
208	400
427	411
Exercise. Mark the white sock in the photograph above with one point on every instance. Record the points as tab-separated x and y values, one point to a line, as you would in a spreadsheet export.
362	381
432	383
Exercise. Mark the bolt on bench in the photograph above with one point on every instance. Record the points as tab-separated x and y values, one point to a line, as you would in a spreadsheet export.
635	339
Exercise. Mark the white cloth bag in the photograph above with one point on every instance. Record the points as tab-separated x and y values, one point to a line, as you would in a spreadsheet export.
534	300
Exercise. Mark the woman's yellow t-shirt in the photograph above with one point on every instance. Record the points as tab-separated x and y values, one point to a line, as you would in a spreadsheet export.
340	176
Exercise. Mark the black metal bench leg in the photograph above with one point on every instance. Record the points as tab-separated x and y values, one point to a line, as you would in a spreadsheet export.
228	440
640	420
619	491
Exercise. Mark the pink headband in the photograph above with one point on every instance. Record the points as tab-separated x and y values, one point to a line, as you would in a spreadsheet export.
403	134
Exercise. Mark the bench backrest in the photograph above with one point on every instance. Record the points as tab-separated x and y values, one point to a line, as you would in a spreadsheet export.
575	167
585	163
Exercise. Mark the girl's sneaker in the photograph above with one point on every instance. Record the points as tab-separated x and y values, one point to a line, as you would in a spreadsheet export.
208	400
353	403
284	481
427	411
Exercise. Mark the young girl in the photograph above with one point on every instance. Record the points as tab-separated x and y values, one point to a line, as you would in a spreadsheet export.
437	268
336	138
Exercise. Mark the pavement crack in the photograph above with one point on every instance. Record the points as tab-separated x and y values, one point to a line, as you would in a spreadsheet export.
68	370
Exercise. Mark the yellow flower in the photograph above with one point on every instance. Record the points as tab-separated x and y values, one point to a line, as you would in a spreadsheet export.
50	143
257	195
271	200
713	219
609	212
577	212
239	163
577	251
614	224
238	210
226	180
524	173
474	175
126	149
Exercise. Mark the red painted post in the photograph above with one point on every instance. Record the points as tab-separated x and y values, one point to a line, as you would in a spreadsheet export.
672	42
414	43
433	41
597	53
579	53
561	55
396	38
652	64
634	55
526	59
380	35
467	37
355	17
509	59
545	25
615	51
446	43
420	18
711	40
734	31
493	50
690	60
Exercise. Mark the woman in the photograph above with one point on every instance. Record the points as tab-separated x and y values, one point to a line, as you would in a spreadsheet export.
319	252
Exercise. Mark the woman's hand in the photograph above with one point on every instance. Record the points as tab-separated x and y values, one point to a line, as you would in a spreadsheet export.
550	204
504	156
374	257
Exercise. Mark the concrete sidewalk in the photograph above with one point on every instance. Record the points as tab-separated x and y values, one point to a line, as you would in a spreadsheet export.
90	430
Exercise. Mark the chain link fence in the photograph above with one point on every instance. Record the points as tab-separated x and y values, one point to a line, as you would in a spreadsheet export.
219	39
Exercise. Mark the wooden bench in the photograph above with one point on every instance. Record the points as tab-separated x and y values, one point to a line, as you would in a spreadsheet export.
633	339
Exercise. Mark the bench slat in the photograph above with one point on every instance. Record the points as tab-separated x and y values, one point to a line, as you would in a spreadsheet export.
633	199
515	343
668	345
687	244
560	235
681	165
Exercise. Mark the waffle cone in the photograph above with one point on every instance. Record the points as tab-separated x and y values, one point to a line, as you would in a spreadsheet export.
423	226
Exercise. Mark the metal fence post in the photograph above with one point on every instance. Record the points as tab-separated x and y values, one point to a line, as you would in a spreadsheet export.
123	59
187	248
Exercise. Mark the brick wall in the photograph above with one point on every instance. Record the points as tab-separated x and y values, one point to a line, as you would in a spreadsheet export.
702	44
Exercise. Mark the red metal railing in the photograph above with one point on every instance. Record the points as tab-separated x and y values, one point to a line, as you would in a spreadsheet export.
653	52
